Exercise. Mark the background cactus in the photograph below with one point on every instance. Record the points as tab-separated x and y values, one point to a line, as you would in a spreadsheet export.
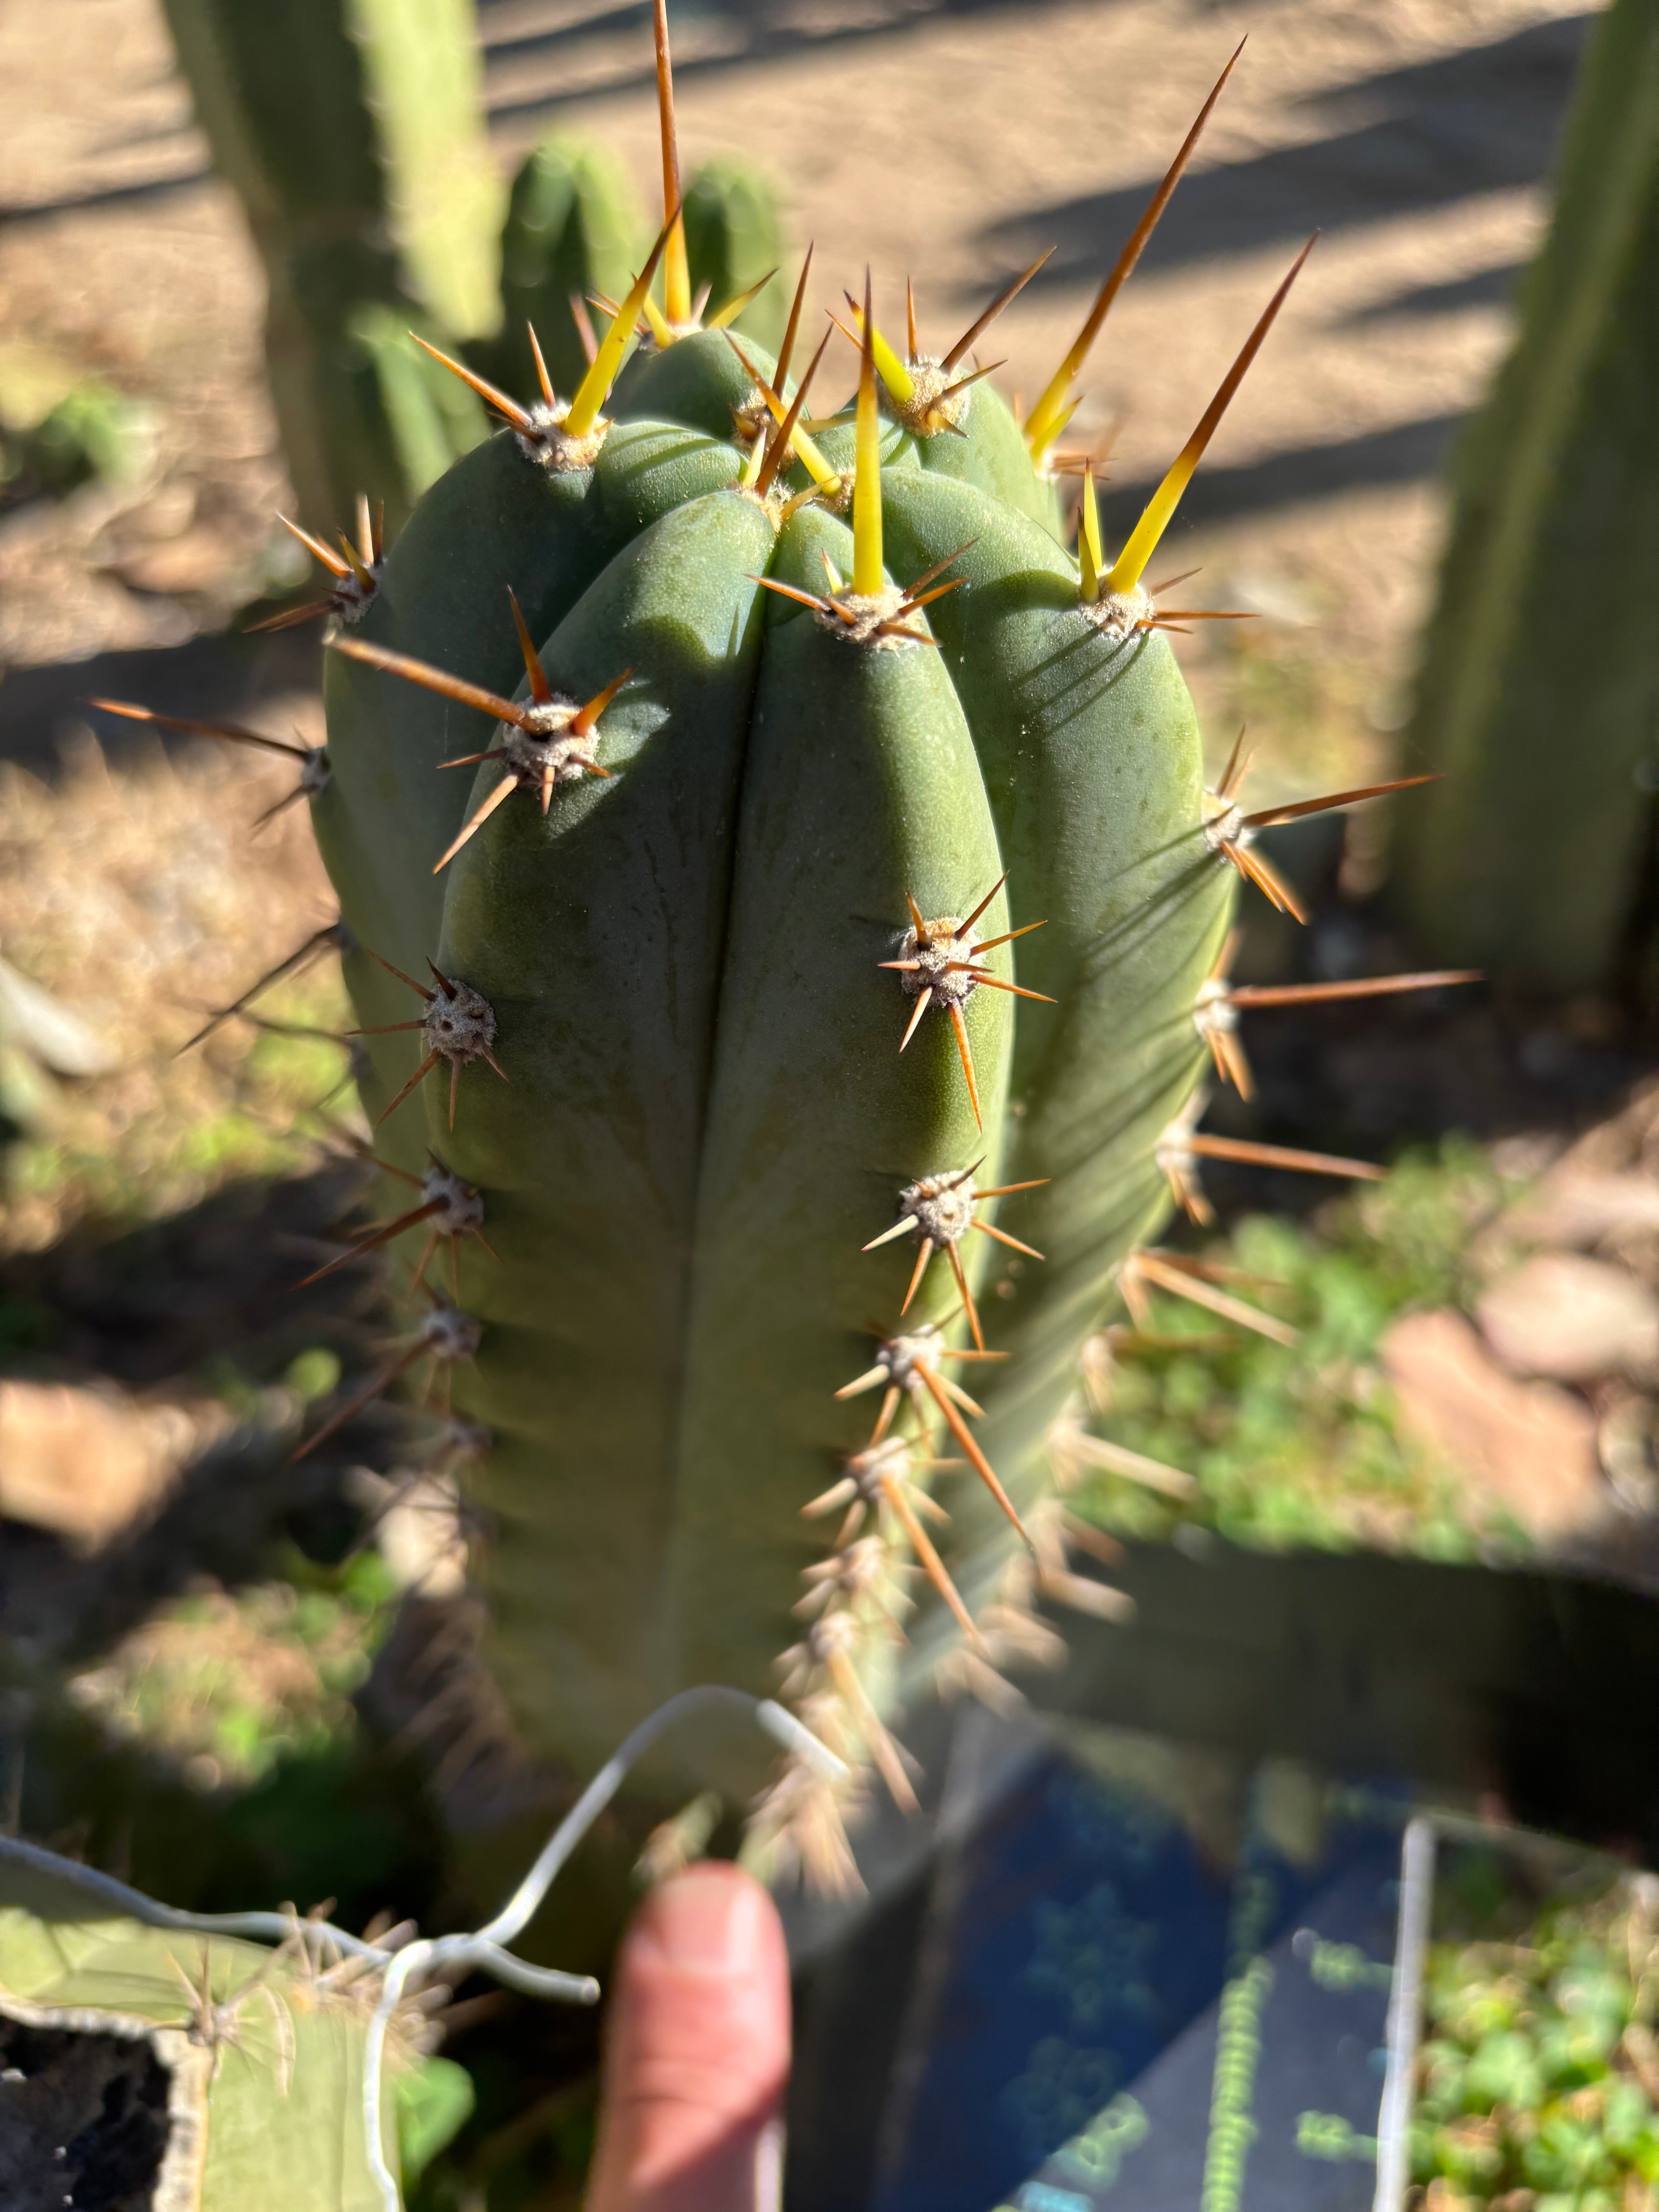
734	241
200	2071
575	232
1540	680
353	137
575	225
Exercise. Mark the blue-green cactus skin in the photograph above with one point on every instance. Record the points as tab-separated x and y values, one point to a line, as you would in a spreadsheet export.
705	1114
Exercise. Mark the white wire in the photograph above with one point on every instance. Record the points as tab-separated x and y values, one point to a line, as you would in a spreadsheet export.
279	1927
520	1909
482	1951
1405	2014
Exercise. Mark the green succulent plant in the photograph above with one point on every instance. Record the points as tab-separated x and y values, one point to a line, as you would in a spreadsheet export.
211	2073
575	226
1539	683
353	135
1536	2072
797	1013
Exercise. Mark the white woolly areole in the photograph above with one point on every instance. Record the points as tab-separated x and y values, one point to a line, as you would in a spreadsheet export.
549	752
868	611
1120	615
1213	1011
461	1206
460	1022
868	1470
1173	1153
944	941
350	597
941	1205
835	1633
752	418
907	1356
552	447
858	1572
1227	825
450	1334
927	411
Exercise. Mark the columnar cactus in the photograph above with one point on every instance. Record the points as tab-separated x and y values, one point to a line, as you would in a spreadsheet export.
734	242
575	226
1538	687
803	999
353	136
574	231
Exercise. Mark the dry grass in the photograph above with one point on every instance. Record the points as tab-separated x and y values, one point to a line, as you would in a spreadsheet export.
135	893
136	896
226	1684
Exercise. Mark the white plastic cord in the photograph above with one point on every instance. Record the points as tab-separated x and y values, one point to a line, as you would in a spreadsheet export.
1405	2014
484	1950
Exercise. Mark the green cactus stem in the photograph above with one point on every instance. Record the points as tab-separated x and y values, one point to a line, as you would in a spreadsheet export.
726	906
1538	693
574	227
1090	753
239	2068
734	244
351	131
818	966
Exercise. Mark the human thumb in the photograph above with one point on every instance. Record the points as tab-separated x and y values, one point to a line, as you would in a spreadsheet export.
698	2052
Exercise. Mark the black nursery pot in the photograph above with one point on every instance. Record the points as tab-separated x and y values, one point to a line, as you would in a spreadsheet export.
1140	1951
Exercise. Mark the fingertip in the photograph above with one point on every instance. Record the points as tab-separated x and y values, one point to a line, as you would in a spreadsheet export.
714	1917
698	2050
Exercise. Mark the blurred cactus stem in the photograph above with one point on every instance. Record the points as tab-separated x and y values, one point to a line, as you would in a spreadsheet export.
733	238
351	131
1538	696
217	2076
576	227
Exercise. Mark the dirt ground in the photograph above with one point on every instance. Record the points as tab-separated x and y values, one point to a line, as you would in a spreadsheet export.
951	141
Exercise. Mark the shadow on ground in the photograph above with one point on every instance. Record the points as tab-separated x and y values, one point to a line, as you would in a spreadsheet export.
202	1303
203	1300
224	676
749	31
1408	141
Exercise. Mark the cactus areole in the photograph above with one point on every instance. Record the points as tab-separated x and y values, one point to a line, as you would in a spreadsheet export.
778	887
